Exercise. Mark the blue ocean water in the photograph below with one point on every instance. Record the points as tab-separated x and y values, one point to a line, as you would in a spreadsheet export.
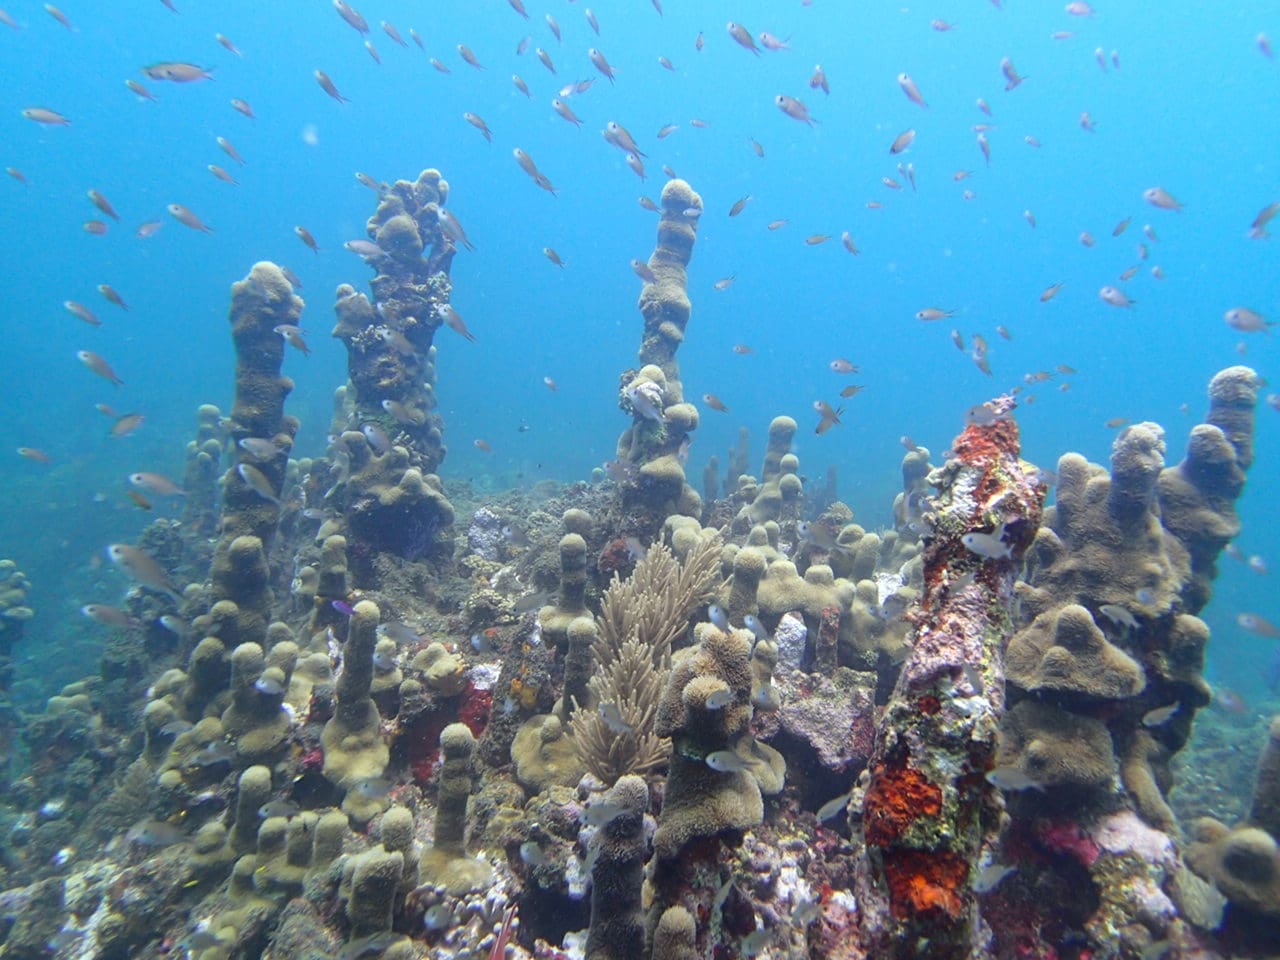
1188	108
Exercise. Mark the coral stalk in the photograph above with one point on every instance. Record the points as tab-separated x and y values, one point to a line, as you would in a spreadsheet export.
926	811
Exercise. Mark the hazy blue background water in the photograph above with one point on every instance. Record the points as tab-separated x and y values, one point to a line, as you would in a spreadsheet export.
1190	109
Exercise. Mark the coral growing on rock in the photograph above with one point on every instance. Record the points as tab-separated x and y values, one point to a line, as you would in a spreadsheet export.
924	813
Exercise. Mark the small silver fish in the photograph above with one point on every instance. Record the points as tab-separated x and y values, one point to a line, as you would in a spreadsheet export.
754	943
257	481
142	567
720	699
269	686
962	582
806	912
532	601
990	546
1011	778
991	877
752	623
173	624
599	813
722	894
1119	616
107	616
643	403
717	616
819	536
365	248
725	761
377	437
531	853
279	808
214	754
397	341
612	717
438	917
765	698
401	633
984	415
1160	715
155	833
403	413
973	678
372	788
259	448
374	943
198	940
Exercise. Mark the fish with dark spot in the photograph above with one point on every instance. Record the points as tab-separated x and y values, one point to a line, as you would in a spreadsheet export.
279	808
155	833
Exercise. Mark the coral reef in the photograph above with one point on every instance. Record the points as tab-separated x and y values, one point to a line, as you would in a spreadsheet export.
445	862
431	747
1244	861
1105	672
617	915
388	439
390	507
200	476
717	768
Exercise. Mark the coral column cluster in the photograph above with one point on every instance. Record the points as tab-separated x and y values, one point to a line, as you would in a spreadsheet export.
1106	673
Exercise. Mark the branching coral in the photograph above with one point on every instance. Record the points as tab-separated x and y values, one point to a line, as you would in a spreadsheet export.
640	619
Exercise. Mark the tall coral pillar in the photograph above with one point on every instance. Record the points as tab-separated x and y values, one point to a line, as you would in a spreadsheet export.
260	303
390	352
652	452
391	436
926	810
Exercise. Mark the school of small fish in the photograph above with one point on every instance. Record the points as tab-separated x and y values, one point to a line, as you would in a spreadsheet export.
607	53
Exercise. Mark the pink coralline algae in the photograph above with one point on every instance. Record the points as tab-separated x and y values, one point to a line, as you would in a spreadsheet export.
1068	837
